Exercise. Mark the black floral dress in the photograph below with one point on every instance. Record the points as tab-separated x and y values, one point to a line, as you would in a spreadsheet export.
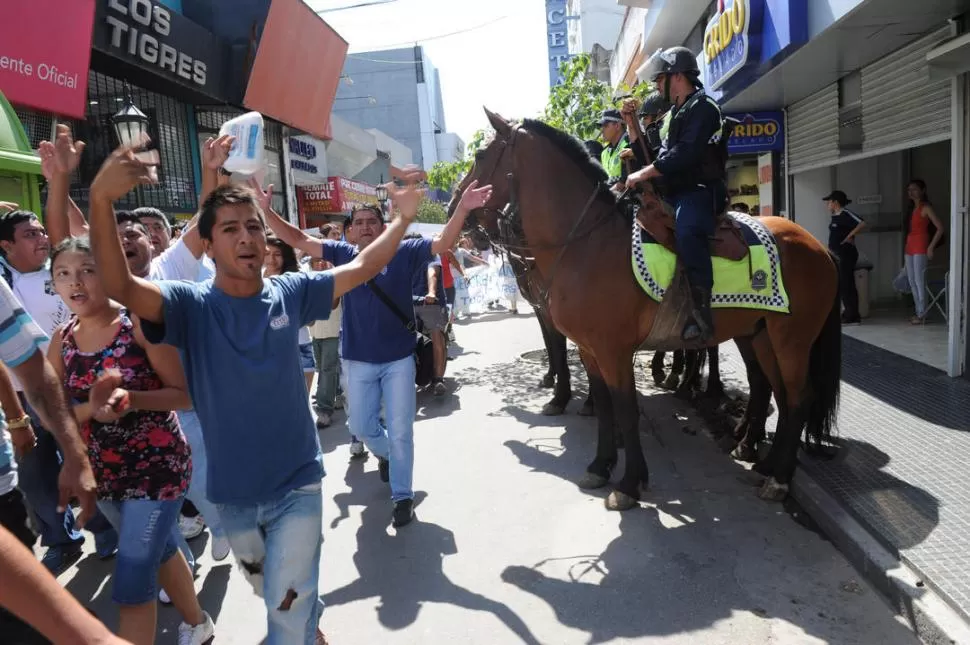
143	455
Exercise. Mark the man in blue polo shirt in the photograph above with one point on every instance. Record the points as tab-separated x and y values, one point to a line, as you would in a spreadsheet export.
238	336
378	348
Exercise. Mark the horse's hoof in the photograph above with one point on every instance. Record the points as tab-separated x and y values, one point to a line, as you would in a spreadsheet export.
745	453
772	491
552	409
591	481
727	443
548	381
751	478
588	409
672	382
617	501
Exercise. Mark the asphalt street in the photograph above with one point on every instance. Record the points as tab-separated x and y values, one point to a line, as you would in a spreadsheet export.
506	548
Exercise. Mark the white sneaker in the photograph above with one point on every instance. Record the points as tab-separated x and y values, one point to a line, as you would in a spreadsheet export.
198	635
220	548
163	597
191	527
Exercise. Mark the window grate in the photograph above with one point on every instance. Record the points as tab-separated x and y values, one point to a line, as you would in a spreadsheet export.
37	125
168	128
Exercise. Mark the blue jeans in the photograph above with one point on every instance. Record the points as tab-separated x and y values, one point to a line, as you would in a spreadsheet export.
367	384
277	545
37	473
148	535
695	213
192	428
325	352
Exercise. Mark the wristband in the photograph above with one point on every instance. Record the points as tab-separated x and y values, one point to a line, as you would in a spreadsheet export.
19	423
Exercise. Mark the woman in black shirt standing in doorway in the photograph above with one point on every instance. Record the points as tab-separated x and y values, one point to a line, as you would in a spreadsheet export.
843	229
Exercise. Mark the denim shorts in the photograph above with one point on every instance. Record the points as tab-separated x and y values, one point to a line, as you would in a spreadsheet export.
147	537
307	362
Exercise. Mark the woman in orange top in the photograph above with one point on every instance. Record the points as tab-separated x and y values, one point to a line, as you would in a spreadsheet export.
919	244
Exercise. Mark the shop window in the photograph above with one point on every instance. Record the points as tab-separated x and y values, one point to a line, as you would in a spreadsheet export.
37	125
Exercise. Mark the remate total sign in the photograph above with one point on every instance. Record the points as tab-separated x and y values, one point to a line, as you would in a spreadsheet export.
338	195
45	50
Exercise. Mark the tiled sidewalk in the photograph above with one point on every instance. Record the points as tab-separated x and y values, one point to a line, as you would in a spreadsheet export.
904	466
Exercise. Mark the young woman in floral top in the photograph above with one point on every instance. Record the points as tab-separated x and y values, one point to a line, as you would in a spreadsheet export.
127	390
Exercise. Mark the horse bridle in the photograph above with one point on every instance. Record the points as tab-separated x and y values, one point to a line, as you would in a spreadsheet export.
508	219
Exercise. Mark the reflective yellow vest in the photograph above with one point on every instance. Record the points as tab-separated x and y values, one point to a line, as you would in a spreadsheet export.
610	159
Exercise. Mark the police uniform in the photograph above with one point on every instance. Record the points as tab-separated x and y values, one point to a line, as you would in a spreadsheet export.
841	224
652	135
691	162
610	157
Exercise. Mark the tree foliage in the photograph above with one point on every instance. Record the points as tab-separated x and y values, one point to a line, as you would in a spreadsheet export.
574	106
445	175
431	212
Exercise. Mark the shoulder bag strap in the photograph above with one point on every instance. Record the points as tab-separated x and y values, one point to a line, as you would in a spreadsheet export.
383	297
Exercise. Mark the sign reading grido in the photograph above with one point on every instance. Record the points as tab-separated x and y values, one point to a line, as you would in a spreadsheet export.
162	41
729	41
757	132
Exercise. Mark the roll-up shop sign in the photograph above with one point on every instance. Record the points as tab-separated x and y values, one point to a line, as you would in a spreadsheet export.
161	41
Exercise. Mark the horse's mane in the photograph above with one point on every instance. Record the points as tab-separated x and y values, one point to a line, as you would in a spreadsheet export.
575	151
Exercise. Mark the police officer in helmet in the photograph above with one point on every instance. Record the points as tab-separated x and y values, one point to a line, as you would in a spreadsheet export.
691	163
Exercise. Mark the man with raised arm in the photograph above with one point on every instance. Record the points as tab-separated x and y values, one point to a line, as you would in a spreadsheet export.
378	345
238	339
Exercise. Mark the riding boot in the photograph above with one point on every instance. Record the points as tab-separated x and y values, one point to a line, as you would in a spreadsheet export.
701	327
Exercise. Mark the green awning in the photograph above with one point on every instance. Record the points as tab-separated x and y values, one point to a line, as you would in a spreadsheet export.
25	162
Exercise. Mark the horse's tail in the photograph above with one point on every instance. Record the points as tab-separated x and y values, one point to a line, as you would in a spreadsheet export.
825	376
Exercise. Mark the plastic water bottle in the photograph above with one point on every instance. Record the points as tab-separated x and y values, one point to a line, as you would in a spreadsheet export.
246	155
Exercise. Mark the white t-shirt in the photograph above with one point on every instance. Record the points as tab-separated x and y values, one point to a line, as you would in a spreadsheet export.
176	263
35	291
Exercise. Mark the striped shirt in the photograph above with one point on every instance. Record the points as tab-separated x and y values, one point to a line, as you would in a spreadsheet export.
20	337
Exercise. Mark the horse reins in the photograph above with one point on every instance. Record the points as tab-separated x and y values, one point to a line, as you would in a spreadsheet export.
508	218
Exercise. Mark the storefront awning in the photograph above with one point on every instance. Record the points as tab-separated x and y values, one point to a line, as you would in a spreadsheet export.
297	68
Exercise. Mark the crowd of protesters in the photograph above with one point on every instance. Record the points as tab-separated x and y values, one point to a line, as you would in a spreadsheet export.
160	378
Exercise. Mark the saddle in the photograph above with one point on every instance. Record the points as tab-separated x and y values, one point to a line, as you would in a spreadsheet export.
657	218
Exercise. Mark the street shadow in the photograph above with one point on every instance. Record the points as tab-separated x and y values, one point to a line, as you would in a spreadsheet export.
906	385
404	570
693	555
900	514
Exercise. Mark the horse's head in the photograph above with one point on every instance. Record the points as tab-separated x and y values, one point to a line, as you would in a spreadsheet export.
492	165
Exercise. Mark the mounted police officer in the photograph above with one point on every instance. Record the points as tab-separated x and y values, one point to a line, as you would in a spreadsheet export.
691	164
614	134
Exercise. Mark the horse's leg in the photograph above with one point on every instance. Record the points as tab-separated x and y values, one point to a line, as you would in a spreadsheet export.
810	368
692	368
750	431
549	379
589	405
714	387
657	368
560	365
620	380
765	354
599	470
673	379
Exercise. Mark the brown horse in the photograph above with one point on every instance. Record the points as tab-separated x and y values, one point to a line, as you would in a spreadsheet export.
550	204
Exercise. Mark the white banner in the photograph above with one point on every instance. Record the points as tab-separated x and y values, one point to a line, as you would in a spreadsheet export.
482	285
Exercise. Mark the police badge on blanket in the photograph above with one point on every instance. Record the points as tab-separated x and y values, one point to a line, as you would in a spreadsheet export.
754	282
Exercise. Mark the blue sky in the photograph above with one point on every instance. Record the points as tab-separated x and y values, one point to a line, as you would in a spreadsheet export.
501	65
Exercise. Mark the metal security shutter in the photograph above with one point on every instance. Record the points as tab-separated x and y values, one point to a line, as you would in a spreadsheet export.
899	101
813	130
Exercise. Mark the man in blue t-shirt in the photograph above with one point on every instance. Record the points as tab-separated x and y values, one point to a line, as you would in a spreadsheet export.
378	347
238	337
